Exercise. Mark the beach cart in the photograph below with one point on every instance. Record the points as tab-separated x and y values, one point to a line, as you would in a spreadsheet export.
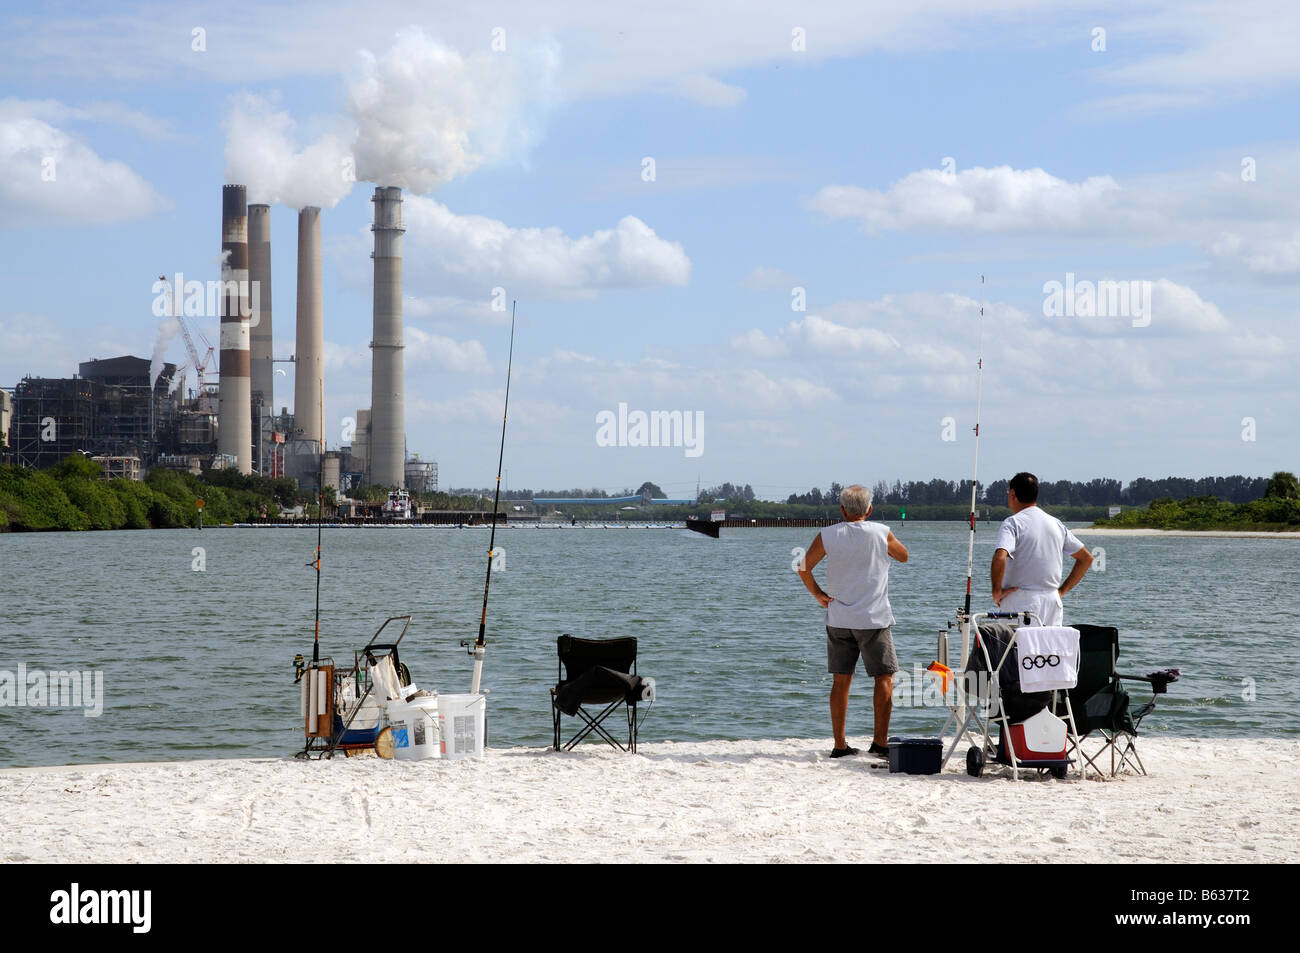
343	709
1016	678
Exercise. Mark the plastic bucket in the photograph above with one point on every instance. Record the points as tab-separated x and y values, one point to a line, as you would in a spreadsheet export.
417	734
462	718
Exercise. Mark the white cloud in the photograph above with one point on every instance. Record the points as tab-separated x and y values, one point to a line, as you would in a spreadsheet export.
38	346
49	176
1267	256
758	344
452	310
486	250
763	278
103	111
925	345
748	390
827	337
1199	51
461	357
610	50
707	91
998	199
1210	50
339	357
900	332
1177	308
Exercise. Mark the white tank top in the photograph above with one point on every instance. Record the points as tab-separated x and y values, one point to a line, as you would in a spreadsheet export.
857	575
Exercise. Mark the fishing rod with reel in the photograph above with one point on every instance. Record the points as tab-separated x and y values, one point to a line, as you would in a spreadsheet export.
479	647
964	611
964	615
299	664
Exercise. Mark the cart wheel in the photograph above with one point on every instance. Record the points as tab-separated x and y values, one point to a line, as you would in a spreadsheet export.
1058	773
974	762
384	743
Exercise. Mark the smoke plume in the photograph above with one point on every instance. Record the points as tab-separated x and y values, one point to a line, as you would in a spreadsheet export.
261	154
418	116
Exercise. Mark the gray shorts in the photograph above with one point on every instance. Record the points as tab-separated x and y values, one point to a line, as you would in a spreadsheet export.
876	646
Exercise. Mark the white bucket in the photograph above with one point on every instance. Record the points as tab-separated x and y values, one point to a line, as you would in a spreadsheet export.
462	720
416	731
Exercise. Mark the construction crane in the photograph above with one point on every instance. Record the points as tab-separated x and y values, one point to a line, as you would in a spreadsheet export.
200	367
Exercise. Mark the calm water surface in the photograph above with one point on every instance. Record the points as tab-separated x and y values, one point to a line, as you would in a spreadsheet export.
199	664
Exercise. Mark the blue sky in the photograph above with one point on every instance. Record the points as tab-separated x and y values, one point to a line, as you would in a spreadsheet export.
1166	158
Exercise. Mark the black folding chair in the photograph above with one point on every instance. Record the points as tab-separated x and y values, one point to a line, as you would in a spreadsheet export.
596	672
1102	704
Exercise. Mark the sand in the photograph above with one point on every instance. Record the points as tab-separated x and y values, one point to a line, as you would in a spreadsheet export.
726	801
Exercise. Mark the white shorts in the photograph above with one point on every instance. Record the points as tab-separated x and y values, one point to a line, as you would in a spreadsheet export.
1044	603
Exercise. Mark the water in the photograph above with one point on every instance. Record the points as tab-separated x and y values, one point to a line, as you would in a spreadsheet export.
198	664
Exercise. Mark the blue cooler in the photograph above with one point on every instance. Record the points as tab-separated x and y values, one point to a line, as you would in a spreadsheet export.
915	755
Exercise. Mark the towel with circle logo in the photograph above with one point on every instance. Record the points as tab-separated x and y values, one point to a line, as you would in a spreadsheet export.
1048	657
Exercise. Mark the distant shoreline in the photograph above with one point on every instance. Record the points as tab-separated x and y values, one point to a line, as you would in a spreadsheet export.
1220	533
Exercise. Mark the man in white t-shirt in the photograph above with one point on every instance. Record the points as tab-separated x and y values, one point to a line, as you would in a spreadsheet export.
858	614
1026	570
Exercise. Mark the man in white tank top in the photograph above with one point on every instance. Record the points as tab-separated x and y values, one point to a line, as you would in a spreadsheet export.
858	614
1026	569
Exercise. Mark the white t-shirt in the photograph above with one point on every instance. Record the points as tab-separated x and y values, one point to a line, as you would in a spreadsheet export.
1035	544
857	575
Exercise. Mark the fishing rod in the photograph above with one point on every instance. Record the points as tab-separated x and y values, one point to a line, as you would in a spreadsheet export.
964	620
480	645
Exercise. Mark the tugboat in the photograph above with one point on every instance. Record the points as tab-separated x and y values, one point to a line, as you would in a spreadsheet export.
398	506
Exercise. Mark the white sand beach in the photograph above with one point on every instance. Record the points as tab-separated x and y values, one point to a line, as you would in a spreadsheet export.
1222	533
1225	800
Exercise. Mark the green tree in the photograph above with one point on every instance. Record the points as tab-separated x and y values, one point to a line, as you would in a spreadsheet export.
651	491
1283	486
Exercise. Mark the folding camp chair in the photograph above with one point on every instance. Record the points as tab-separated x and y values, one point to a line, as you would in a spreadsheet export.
597	672
1102	704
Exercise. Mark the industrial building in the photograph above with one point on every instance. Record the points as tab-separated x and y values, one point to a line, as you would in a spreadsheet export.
108	409
6	412
111	409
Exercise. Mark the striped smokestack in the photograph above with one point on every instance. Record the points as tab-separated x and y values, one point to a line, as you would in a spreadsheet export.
387	378
235	436
309	372
263	371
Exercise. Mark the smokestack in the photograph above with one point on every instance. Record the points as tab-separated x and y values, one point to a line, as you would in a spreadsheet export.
309	372
235	413
387	378
259	288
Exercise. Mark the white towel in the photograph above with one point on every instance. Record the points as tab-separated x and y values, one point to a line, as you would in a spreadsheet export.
384	678
1048	656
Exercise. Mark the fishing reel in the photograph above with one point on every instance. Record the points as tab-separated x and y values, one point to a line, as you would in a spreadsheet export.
299	668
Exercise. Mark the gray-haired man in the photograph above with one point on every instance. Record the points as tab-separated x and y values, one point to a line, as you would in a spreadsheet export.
858	614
